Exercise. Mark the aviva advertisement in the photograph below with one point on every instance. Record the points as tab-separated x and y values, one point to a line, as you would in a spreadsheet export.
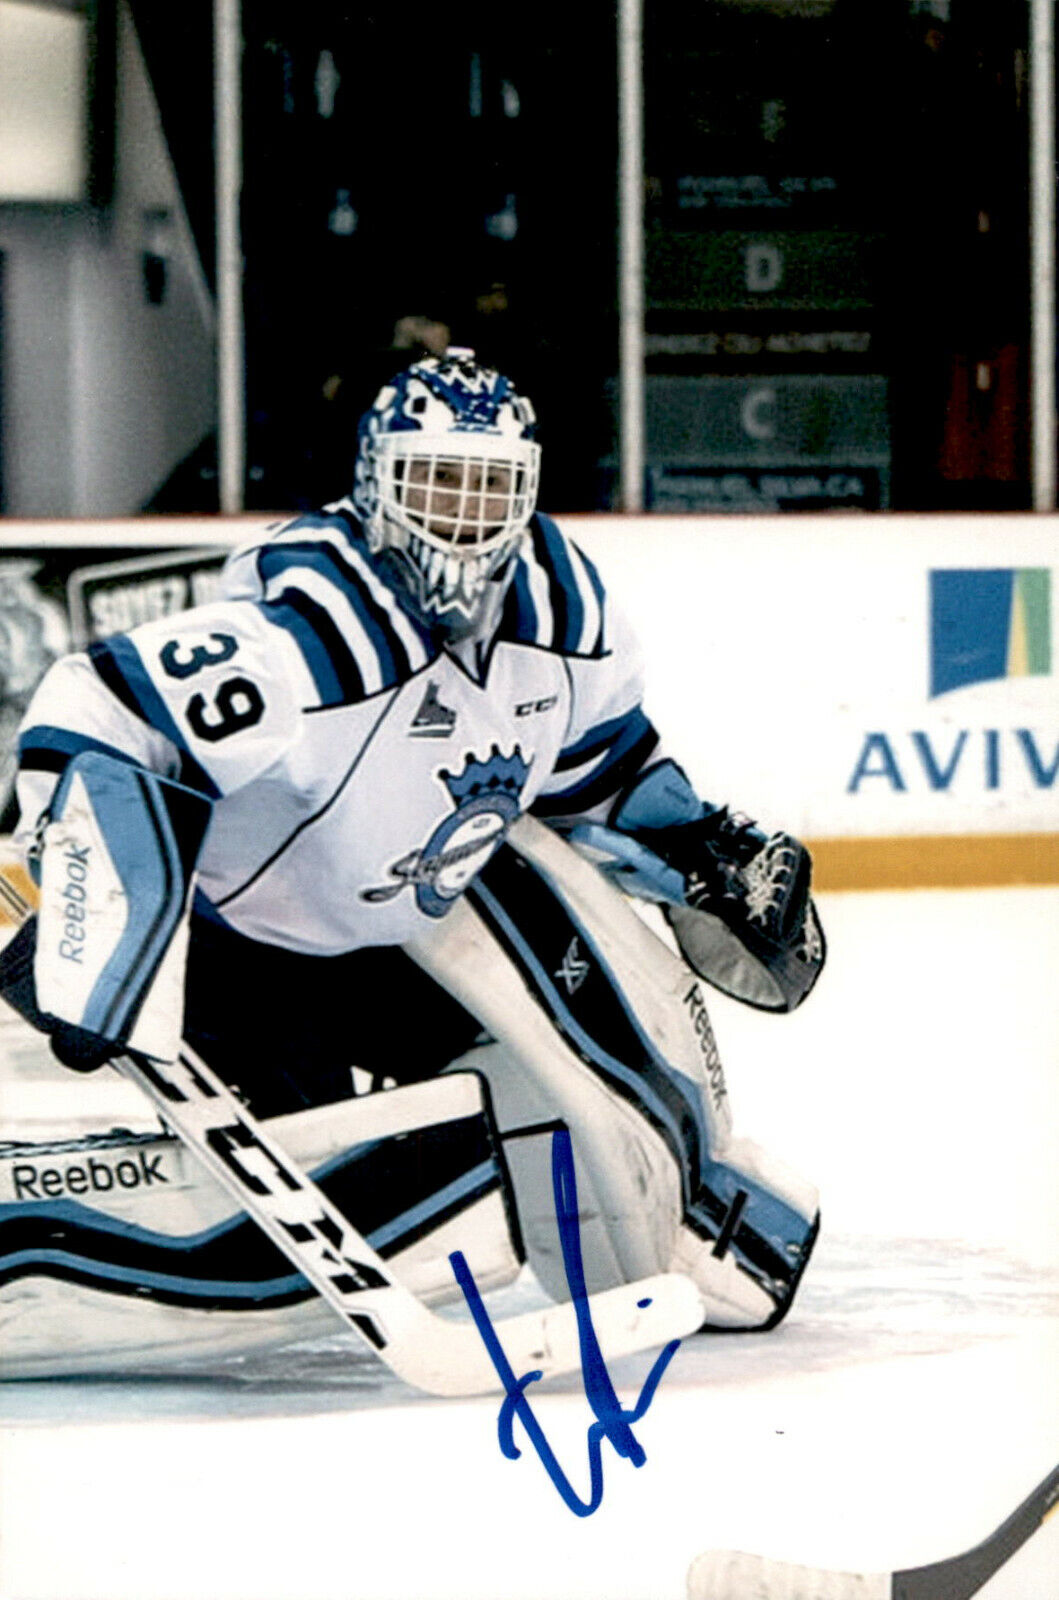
887	680
986	626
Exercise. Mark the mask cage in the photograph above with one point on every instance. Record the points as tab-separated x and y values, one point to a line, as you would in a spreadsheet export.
462	502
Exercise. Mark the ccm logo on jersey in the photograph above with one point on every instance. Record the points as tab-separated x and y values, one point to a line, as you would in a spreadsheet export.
528	708
92	1176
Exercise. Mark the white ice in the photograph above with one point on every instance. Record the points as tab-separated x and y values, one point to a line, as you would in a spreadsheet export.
902	1411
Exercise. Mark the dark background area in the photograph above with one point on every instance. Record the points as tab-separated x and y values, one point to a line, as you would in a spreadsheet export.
837	216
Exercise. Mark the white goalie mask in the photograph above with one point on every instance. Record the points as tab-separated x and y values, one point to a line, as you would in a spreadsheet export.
446	484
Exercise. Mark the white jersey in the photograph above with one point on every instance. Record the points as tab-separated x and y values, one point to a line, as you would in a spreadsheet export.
361	771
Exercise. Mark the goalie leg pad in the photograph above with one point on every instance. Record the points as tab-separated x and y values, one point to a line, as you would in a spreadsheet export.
119	1252
609	1031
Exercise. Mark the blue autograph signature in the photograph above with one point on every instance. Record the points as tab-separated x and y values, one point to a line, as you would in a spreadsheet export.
612	1421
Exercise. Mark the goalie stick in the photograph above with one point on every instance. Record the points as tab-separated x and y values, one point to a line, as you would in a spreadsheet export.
433	1353
735	1575
428	1351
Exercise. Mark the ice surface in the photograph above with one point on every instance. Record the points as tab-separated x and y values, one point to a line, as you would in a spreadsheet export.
902	1411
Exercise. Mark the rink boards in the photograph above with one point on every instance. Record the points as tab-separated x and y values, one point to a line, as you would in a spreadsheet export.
883	686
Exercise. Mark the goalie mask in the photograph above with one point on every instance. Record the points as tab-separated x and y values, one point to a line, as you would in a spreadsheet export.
446	483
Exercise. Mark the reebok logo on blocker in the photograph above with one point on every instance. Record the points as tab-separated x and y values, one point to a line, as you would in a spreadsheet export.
73	896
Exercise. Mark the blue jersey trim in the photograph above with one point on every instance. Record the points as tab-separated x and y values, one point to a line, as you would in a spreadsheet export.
519	611
332	685
46	748
616	736
141	694
117	663
567	607
552	553
617	750
391	655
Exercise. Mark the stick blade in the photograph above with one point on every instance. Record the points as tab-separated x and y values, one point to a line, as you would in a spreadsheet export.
448	1359
737	1575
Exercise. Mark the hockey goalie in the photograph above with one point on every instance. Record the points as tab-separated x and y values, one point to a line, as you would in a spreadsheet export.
365	836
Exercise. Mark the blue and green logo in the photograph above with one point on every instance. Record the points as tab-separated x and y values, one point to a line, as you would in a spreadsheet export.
987	623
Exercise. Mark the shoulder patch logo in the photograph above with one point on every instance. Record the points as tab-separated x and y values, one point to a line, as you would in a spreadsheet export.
487	797
433	720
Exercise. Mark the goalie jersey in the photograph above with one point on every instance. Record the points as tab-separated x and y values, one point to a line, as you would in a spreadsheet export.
361	771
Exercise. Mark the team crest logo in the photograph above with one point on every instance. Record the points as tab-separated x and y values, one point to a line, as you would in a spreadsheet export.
486	795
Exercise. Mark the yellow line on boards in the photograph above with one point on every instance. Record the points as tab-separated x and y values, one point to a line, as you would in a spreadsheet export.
915	861
936	861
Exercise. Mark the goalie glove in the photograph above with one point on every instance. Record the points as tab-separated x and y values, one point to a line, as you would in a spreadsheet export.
747	923
737	899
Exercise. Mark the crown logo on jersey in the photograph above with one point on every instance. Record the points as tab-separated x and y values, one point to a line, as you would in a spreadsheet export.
496	776
486	795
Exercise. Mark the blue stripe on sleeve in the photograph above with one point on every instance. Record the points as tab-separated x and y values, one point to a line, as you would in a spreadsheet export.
391	655
119	664
567	606
601	597
568	582
324	676
617	735
622	757
520	612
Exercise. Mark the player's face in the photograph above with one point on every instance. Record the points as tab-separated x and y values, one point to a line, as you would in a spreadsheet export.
462	502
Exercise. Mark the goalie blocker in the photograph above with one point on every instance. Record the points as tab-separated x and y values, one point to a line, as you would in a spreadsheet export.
115	863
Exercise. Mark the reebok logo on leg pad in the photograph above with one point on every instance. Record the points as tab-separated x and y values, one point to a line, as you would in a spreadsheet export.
91	1176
